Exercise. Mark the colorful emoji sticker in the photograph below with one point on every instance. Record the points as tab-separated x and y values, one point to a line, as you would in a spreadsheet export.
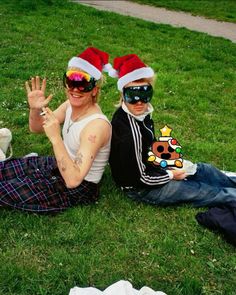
166	152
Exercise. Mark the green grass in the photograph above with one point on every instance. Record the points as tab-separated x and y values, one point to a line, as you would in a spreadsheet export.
115	239
222	10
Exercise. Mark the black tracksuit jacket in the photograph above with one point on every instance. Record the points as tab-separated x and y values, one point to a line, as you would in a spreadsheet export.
131	141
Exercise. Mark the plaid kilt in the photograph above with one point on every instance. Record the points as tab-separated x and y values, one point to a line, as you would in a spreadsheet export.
35	184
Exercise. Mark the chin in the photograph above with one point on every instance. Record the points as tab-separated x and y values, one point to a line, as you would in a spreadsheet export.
75	103
138	112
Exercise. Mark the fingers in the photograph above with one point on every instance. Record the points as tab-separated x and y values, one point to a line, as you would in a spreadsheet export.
48	99
47	113
27	87
47	110
179	174
35	91
37	83
44	85
46	102
33	84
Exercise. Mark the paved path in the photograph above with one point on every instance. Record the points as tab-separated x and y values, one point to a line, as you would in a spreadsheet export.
161	15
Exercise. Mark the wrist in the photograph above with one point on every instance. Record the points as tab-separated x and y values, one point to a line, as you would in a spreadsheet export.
34	109
170	173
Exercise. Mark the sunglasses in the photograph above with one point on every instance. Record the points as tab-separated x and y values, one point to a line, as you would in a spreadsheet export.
80	80
133	94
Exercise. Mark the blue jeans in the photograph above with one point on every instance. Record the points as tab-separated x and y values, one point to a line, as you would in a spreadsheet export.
208	187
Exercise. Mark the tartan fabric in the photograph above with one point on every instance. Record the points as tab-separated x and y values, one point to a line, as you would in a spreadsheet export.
35	184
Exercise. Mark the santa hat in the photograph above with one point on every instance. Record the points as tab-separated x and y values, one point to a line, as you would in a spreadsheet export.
92	60
129	68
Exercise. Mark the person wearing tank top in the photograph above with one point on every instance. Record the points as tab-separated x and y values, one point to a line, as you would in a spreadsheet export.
80	136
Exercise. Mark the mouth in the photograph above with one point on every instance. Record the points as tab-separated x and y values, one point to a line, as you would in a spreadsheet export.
166	156
138	108
75	95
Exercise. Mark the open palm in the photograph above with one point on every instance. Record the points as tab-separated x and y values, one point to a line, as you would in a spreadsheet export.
36	93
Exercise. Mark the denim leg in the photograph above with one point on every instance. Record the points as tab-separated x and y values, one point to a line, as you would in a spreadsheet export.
185	191
209	174
207	187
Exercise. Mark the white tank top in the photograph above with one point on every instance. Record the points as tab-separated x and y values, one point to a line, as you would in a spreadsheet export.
72	142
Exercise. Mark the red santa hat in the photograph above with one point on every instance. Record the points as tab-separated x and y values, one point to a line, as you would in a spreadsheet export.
92	60
129	68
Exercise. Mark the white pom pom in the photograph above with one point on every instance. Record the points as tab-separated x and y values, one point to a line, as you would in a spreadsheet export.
107	67
113	73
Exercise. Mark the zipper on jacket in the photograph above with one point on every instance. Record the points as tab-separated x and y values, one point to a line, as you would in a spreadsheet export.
153	137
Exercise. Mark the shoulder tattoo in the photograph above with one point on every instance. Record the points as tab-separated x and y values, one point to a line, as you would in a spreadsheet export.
92	138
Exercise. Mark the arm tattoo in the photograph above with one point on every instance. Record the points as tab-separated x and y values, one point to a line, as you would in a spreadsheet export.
92	138
78	159
62	165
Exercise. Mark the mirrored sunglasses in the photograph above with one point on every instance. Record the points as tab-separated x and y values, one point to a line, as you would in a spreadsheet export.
133	94
80	80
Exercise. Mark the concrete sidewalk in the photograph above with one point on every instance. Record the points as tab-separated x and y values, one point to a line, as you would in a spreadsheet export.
164	16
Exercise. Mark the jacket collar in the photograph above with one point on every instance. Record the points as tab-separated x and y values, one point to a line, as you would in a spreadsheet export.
140	117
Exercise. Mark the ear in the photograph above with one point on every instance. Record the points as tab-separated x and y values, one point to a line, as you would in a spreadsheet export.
95	91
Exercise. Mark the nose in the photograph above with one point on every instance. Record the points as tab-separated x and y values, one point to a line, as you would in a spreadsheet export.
76	89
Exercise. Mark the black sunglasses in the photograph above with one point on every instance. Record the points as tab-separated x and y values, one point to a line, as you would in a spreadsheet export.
83	85
133	94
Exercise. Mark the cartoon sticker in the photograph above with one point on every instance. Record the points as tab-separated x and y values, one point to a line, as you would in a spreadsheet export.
166	152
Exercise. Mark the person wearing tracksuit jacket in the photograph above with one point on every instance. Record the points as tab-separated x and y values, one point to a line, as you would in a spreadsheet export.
132	136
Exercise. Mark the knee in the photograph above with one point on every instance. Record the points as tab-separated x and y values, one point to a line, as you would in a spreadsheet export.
204	167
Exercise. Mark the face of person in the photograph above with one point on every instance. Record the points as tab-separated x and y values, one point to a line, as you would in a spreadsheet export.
139	107
78	98
80	87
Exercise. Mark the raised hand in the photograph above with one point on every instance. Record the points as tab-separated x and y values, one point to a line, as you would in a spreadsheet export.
36	93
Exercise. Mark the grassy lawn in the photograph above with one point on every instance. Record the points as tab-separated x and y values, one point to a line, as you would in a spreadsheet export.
223	10
163	248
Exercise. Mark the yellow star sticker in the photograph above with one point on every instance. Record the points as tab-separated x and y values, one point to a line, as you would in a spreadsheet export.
165	131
